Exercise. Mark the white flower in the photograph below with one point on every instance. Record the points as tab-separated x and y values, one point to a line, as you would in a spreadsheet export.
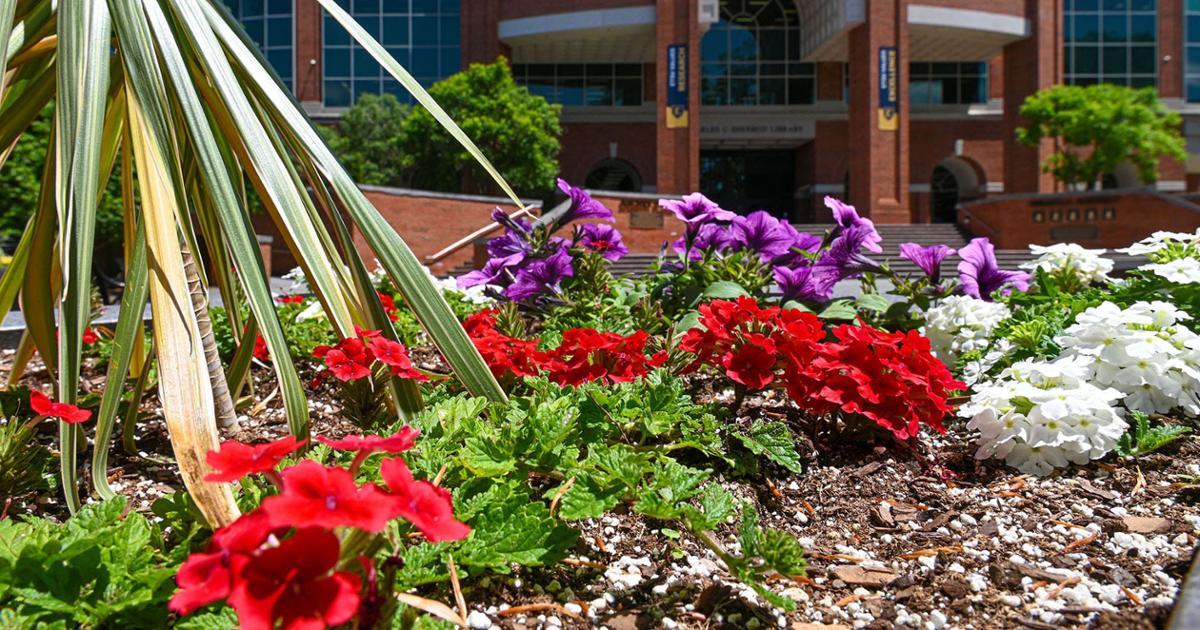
299	282
314	311
1160	241
1143	351
961	324
1042	416
1087	265
1180	271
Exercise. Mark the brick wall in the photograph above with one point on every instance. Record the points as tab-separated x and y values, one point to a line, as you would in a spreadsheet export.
1096	219
585	145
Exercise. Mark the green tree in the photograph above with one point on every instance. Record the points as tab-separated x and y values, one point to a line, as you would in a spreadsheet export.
1097	127
367	140
517	130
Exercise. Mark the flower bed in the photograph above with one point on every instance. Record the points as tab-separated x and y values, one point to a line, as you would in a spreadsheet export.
719	443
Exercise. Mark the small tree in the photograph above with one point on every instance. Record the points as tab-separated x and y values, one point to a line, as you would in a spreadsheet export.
517	130
367	140
1097	127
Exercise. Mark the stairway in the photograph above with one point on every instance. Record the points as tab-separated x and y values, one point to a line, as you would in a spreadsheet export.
893	235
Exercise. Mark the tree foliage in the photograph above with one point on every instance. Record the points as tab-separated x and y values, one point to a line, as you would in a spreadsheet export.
517	130
367	140
1097	127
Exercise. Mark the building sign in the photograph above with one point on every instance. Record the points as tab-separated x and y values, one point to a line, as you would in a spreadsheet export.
889	89
677	86
778	129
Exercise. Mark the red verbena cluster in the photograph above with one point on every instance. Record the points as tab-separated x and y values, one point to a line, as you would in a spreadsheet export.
389	305
891	378
280	565
583	355
290	299
354	357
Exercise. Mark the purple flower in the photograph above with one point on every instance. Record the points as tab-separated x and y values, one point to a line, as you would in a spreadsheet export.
603	238
696	209
800	242
762	233
847	217
541	275
808	284
929	259
509	244
495	272
845	252
582	205
979	274
709	236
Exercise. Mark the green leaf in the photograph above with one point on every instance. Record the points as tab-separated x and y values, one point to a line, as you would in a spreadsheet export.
774	441
673	485
511	527
873	302
725	290
1142	439
716	505
839	310
485	457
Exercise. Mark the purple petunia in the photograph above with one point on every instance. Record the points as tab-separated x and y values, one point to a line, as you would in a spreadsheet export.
696	209
764	234
980	275
929	259
814	283
582	205
845	252
847	217
540	276
603	238
496	271
710	236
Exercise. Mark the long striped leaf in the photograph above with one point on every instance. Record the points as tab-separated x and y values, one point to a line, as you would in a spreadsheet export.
83	38
389	63
406	271
127	343
8	9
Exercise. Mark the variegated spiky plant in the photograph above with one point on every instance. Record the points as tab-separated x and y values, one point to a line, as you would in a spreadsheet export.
175	92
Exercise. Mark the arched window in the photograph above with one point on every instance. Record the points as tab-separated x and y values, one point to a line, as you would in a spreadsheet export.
752	56
614	174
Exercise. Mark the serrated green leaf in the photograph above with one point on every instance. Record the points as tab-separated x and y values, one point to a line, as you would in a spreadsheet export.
873	302
716	505
839	310
774	441
666	495
485	457
512	528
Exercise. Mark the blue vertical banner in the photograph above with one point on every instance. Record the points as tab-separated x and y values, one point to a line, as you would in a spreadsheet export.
677	86
889	88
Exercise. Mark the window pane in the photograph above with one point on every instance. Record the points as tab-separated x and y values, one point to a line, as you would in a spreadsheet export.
337	93
1116	28
1142	60
1086	60
337	62
1114	61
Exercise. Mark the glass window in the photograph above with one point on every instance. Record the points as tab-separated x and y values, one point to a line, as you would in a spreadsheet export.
269	25
423	35
1112	41
1191	36
751	57
583	85
947	83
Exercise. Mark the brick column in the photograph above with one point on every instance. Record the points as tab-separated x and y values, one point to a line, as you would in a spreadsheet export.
480	32
878	159
678	150
1170	45
307	50
1030	65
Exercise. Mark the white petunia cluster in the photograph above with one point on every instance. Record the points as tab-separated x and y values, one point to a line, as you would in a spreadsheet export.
1160	242
960	324
1144	351
1040	416
1071	260
1179	271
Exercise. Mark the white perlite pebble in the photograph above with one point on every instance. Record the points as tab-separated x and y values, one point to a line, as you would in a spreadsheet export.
1010	600
977	582
573	607
478	621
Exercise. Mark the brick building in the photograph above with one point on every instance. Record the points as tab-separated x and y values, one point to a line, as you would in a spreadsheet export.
905	107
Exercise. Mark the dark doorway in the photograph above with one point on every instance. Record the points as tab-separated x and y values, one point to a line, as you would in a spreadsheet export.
745	181
614	174
943	193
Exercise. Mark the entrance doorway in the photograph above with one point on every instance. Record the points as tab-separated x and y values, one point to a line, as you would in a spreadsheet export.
749	180
943	193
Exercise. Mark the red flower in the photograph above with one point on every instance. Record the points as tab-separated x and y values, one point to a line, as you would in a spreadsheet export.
291	586
395	356
587	355
207	577
43	406
260	349
503	354
290	299
752	363
316	496
235	460
401	441
428	507
389	305
364	334
89	336
348	360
